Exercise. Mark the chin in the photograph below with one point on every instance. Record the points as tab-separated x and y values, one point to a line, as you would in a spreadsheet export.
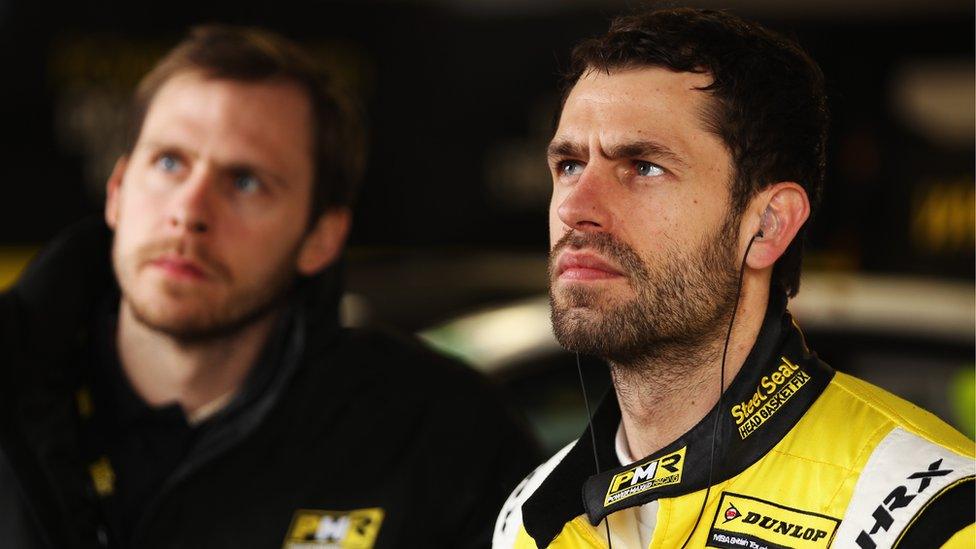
574	321
198	315
578	336
587	299
171	318
173	313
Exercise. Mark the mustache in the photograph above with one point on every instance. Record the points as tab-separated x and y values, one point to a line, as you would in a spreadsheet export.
189	250
606	245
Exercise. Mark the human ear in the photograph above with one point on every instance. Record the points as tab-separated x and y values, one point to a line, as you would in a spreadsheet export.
112	192
777	214
321	246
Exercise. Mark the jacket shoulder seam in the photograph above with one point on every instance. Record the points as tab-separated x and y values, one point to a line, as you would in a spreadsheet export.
809	460
866	448
890	414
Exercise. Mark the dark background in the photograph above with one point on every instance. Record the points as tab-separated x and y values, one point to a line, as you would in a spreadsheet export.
461	97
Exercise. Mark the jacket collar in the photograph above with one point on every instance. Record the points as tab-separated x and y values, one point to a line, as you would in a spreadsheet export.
779	381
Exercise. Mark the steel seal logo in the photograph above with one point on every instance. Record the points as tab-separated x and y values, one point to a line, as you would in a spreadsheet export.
313	529
744	521
663	471
772	393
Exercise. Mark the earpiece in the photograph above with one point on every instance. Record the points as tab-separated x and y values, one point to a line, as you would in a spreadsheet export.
768	223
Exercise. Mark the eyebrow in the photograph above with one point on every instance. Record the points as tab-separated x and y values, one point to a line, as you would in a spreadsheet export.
230	166
267	175
157	146
630	149
565	148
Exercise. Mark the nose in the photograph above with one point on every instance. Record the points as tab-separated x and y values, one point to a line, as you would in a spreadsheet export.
585	207
191	210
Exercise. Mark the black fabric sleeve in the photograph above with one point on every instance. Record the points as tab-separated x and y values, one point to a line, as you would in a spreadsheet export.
510	455
950	511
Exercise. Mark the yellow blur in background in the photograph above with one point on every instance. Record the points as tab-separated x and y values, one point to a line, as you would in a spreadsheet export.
12	263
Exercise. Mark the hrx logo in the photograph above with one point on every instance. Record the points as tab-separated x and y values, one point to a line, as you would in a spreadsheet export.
898	498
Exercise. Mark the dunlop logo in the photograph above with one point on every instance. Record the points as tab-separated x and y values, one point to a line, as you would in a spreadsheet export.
745	521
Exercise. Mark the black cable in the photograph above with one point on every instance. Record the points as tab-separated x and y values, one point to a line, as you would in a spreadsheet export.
589	419
721	390
718	406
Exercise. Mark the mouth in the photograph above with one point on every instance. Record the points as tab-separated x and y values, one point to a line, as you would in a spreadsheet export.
584	267
179	268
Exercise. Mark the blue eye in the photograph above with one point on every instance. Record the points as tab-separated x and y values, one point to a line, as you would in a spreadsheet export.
168	163
570	168
647	169
247	183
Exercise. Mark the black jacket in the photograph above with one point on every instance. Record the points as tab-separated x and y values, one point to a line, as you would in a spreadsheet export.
354	434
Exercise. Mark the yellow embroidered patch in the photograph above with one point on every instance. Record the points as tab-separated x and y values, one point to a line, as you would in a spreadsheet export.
663	471
103	476
773	392
744	521
353	529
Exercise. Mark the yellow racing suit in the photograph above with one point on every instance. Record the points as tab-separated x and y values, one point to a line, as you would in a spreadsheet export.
805	457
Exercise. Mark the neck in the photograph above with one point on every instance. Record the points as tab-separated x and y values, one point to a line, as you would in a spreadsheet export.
200	376
665	396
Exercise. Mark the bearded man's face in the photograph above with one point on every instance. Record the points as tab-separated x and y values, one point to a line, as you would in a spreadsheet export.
211	209
643	241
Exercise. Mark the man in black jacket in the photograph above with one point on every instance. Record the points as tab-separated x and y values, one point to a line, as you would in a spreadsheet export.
181	380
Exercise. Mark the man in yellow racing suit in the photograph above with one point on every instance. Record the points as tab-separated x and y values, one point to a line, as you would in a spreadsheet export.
807	457
688	157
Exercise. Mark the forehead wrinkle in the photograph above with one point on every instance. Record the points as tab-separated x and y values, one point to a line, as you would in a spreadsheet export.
628	149
642	148
565	147
599	92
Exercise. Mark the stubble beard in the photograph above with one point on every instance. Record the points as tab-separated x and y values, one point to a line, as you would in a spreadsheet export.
204	318
681	306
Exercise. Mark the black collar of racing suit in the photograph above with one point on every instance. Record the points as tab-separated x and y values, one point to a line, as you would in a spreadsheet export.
779	381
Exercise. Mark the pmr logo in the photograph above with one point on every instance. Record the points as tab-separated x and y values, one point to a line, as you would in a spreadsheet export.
663	471
313	529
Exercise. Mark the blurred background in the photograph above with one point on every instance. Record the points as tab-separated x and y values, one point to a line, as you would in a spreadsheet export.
450	233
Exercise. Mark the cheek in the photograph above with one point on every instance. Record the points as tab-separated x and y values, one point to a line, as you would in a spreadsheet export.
262	266
138	204
651	223
268	246
132	222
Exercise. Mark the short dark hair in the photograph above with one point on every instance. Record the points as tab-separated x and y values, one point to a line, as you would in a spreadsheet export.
769	104
253	55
